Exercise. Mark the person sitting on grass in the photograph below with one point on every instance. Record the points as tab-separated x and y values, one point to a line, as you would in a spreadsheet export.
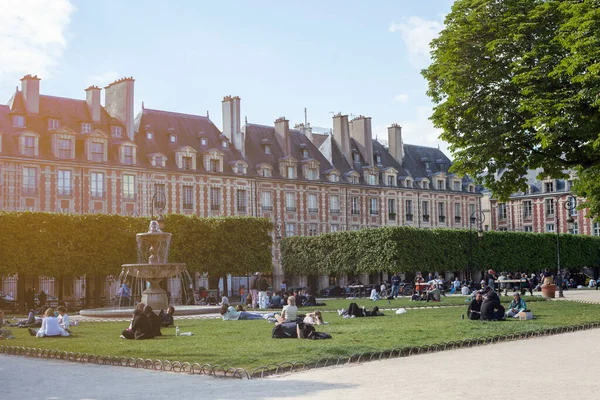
63	318
289	313
314	318
155	321
465	291
516	306
474	310
374	296
276	300
433	293
491	309
228	313
141	327
50	326
167	318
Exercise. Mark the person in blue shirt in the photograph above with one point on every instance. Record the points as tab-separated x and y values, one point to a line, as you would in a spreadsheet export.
395	285
516	306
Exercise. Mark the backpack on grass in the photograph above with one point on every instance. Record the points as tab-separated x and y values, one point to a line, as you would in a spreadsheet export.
287	330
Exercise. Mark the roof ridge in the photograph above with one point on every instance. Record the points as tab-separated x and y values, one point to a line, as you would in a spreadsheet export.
174	113
261	125
60	97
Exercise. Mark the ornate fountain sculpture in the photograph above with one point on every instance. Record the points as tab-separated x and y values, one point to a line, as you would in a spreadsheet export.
153	246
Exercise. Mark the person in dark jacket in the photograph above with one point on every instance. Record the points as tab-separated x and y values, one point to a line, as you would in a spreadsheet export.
474	310
167	318
42	298
155	321
141	328
491	309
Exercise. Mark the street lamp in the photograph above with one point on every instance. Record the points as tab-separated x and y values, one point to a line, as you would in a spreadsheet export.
568	205
278	226
477	218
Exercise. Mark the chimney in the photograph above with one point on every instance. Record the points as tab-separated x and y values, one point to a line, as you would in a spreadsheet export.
92	97
395	142
341	135
282	133
360	131
30	86
118	101
231	122
306	129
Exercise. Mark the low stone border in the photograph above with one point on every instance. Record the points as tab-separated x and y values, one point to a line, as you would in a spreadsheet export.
284	367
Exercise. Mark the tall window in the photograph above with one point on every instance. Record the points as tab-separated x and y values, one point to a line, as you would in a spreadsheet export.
371	179
408	205
440	184
355	205
334	228
373	208
313	206
266	173
392	209
18	120
266	202
441	211
97	151
575	230
549	207
64	148
313	174
186	163
29	184
334	204
241	200
527	209
64	182
117	131
502	214
160	188
457	212
426	211
457	186
53	124
188	197
596	231
128	155
215	198
291	172
214	165
290	201
97	189
391	180
472	213
290	229
29	146
548	187
129	187
86	127
313	229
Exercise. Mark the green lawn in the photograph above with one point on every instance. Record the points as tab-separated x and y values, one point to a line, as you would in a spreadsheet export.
248	344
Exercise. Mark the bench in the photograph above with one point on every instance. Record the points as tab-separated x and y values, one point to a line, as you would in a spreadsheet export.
517	284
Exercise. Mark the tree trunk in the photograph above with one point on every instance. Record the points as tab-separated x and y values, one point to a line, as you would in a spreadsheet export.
98	289
21	292
225	286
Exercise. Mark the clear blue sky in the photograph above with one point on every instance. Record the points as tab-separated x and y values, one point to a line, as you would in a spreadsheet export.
356	57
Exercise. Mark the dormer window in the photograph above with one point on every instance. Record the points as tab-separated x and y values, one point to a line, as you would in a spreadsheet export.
267	149
97	151
391	180
354	179
203	141
266	172
173	138
159	161
29	145
291	172
224	144
427	165
409	183
548	187
150	135
440	184
117	131
356	157
86	127
53	124
378	159
213	166
371	179
457	186
186	163
18	120
305	153
312	174
471	188
64	148
334	178
240	167
128	155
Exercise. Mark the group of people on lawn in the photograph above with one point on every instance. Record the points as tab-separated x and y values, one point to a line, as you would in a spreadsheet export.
146	324
486	306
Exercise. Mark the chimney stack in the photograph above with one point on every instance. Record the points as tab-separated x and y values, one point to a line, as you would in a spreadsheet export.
306	129
341	134
30	86
395	142
231	122
118	99
360	131
92	97
282	133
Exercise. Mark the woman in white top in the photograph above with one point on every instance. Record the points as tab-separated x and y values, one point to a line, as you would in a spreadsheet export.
63	318
50	326
289	312
314	318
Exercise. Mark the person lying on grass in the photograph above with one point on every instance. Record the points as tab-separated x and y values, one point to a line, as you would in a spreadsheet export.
354	311
314	318
50	326
228	313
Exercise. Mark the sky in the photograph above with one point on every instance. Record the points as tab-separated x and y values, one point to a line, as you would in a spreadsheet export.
354	57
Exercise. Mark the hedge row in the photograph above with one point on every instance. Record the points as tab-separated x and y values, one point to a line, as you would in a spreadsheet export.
51	244
406	249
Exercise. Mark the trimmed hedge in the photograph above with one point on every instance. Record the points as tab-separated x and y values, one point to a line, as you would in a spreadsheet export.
407	249
51	244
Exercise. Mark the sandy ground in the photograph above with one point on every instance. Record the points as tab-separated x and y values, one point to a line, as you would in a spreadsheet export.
561	366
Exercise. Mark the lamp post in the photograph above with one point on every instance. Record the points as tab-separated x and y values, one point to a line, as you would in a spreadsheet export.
159	202
568	205
477	217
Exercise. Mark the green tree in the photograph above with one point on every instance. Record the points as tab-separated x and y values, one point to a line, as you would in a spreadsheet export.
516	85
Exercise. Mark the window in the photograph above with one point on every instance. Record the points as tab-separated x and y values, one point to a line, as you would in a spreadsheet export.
527	209
409	210
425	185
214	165
290	201
313	230
472	213
266	172
186	163
86	127
203	141
426	211
528	228
64	182
313	206
572	206
575	230
457	186
29	146
548	187
334	228
392	209
409	183
215	198
97	151
224	144
596	231
97	189
18	120
188	197
373	208
502	211
159	161
149	135
291	172
267	149
53	124
440	184
371	179
334	204
128	155
356	157
305	153
313	174
334	178
173	138
441	211
471	189
64	148
29	184
241	198
549	207
266	203
427	165
549	227
128	187
391	180
354	179
457	212
117	131
290	229
355	228
355	205
378	159
160	188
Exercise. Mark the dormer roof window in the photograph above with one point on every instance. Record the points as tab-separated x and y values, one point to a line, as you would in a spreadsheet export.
53	124
267	149
355	156
224	144
18	120
305	153
29	144
86	127
128	154
173	138
203	141
378	159
117	131
239	167
150	135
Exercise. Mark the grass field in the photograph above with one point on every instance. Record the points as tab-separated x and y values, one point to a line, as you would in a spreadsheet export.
248	344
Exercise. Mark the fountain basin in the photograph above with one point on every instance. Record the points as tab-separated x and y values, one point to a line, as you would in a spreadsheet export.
126	312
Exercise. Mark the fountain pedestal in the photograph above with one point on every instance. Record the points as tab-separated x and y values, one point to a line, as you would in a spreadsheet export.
155	296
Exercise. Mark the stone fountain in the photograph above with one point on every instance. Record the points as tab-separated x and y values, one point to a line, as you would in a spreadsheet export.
153	246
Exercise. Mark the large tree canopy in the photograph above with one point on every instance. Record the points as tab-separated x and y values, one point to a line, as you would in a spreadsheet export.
516	85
